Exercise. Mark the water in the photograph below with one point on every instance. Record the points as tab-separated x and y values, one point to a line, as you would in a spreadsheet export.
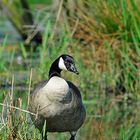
7	29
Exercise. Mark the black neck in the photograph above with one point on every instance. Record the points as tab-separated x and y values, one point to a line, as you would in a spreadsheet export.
55	70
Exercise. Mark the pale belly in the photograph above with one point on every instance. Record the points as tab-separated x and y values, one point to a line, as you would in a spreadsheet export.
65	120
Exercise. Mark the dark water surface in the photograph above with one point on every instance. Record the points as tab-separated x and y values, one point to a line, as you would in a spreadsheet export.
7	30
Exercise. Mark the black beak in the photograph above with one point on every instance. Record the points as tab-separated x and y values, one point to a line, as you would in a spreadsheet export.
76	72
74	69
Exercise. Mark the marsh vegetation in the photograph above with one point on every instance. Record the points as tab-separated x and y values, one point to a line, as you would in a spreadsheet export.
103	36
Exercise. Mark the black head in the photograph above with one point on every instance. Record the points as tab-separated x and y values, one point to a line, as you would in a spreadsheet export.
63	62
66	62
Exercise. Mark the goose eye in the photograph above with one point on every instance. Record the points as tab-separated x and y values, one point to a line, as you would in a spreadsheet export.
66	62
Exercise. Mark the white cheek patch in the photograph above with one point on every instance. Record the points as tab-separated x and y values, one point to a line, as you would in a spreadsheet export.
61	64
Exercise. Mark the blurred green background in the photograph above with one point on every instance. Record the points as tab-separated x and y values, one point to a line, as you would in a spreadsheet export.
104	39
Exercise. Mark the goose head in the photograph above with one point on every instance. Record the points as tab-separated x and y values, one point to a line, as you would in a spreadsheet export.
64	62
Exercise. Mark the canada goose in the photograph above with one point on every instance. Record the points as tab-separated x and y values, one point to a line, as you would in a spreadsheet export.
58	102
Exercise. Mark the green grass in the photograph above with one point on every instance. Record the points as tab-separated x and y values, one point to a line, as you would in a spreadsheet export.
38	1
107	65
